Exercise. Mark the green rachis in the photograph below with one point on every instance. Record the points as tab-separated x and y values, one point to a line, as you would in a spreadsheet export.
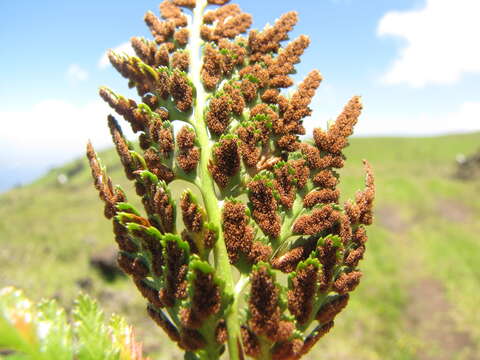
260	214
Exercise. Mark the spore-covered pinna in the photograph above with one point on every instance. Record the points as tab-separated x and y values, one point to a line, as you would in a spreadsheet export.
265	256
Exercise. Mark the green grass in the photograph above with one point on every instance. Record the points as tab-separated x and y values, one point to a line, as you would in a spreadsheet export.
427	227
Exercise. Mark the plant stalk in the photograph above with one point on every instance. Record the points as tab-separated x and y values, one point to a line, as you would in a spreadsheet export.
222	264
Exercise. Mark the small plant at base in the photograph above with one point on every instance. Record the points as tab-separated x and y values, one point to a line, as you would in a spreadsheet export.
40	331
269	202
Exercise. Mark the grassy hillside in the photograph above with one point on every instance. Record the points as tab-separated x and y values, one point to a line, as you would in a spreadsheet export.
420	293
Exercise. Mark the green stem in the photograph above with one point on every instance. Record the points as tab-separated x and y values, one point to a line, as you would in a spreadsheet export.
212	351
292	215
290	218
265	346
241	284
222	264
319	301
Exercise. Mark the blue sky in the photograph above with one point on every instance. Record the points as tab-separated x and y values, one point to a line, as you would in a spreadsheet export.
415	62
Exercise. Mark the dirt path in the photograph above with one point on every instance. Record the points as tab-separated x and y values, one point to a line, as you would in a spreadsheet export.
429	313
429	317
390	218
453	210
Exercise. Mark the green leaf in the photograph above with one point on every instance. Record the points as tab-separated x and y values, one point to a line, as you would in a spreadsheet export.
54	332
123	339
91	331
34	331
190	356
17	329
41	332
128	208
147	175
251	78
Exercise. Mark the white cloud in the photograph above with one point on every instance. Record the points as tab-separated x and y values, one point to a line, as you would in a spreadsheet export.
76	74
441	42
120	49
465	118
52	132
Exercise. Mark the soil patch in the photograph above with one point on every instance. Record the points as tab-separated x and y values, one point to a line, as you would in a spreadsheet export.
429	317
389	217
453	210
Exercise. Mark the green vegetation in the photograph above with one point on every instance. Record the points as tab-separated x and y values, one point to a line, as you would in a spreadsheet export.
420	267
41	331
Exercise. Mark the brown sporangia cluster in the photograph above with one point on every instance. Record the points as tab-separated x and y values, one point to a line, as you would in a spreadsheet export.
360	212
264	308
331	143
188	154
320	220
228	22
276	211
264	207
192	214
288	262
291	124
159	204
205	301
198	233
218	118
110	196
175	21
289	177
269	41
149	53
126	108
218	2
226	161
239	235
302	293
122	147
254	135
181	60
332	308
181	91
156	165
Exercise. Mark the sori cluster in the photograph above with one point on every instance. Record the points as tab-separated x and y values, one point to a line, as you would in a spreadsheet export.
256	247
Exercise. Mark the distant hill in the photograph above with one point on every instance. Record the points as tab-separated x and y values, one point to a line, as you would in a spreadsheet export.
420	289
